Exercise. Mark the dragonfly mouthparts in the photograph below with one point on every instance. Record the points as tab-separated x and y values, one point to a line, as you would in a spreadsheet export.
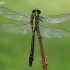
33	11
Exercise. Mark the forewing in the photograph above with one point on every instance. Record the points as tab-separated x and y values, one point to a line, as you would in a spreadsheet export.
17	28
56	19
13	15
51	32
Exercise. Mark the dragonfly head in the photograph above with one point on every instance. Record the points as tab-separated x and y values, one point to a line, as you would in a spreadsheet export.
36	11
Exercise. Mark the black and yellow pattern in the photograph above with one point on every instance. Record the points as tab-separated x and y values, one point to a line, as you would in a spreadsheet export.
34	22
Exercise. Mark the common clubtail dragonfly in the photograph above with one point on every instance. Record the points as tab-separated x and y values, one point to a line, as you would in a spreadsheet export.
34	22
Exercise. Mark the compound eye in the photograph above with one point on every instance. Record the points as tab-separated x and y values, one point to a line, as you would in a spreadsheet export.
39	11
33	11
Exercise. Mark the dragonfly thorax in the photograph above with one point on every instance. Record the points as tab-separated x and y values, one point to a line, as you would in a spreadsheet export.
35	18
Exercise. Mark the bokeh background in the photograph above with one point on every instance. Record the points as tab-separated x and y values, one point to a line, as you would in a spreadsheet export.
15	49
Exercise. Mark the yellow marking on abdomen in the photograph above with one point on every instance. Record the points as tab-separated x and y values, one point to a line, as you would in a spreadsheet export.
34	22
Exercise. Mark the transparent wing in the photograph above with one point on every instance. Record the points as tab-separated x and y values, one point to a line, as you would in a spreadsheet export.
12	14
56	19
51	32
17	28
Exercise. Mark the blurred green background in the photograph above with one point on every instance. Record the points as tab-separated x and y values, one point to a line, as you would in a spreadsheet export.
15	49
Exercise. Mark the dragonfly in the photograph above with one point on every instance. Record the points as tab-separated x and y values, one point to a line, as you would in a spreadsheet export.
33	21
